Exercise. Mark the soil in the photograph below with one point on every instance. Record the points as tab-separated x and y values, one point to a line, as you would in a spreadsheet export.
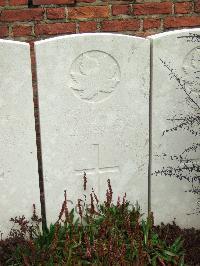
191	242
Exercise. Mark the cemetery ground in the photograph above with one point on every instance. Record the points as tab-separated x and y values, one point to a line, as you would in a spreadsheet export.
104	234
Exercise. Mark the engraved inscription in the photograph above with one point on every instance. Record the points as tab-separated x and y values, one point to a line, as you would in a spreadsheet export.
1	103
2	174
191	68
94	76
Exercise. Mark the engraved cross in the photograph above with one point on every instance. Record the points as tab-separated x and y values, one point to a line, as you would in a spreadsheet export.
97	170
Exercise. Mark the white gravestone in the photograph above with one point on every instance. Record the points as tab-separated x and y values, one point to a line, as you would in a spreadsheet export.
93	96
175	182
19	181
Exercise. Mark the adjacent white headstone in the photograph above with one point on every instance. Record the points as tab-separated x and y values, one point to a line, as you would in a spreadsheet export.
19	183
176	127
94	97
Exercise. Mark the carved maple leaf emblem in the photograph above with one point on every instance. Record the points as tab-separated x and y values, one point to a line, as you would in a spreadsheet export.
94	75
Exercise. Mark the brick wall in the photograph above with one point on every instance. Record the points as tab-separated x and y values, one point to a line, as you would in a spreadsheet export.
28	20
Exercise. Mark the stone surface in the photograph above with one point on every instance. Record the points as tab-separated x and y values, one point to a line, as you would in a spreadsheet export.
175	182
19	181
93	96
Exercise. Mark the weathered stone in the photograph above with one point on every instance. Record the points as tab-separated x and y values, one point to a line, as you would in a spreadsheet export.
18	158
93	96
175	183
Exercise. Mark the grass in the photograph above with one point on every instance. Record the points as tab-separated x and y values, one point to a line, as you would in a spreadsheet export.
105	233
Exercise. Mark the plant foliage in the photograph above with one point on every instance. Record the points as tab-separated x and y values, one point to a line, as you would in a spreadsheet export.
101	234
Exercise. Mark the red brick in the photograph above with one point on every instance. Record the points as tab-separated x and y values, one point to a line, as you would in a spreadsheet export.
183	8
121	25
85	1
88	26
197	6
152	8
22	30
176	22
88	12
3	31
22	15
18	2
55	28
120	10
55	13
2	2
144	34
51	2
151	23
